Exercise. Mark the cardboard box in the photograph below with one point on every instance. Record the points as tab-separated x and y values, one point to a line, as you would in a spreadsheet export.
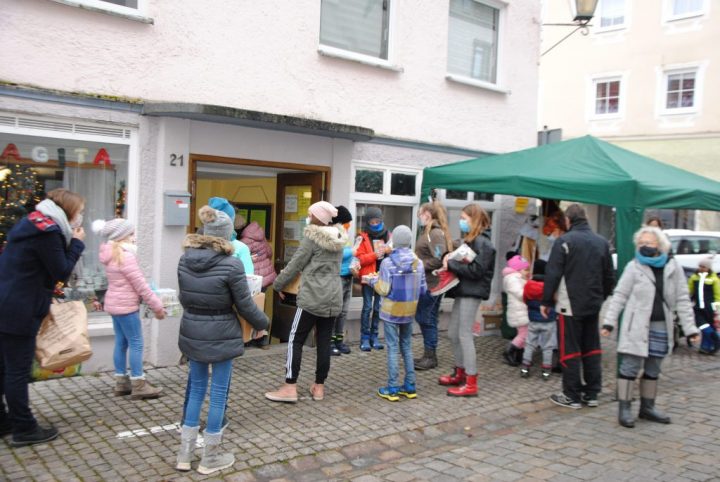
254	283
248	330
293	287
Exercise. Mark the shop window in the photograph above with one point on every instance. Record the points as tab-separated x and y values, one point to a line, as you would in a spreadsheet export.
402	184
393	216
358	26
473	40
31	166
369	181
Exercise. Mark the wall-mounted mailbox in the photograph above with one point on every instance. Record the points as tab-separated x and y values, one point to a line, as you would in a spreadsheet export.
177	208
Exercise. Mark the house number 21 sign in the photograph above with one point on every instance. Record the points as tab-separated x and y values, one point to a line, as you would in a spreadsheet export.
176	160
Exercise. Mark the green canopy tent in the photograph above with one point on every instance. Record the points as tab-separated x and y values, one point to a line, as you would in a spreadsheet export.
585	170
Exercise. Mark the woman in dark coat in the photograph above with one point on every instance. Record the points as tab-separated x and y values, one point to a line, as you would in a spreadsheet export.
42	250
212	286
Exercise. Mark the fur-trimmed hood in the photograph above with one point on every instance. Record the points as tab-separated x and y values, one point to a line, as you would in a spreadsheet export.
203	252
329	238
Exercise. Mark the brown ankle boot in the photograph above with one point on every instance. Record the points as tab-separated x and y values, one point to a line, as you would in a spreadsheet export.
122	386
141	389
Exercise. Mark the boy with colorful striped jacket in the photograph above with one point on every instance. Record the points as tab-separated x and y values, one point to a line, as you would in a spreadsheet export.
400	282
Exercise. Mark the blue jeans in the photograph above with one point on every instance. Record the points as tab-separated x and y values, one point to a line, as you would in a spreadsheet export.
197	388
371	302
428	309
398	339
128	334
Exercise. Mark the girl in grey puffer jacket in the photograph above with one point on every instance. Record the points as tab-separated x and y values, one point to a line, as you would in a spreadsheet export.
319	300
212	287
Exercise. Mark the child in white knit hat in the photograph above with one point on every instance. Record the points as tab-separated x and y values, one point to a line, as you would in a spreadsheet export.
126	285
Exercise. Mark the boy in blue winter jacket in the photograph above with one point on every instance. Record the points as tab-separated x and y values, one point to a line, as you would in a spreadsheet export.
400	282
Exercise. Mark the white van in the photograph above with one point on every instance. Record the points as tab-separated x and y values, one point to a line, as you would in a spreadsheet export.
692	246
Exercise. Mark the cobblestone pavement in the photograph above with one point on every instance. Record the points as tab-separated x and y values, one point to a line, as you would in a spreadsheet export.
510	432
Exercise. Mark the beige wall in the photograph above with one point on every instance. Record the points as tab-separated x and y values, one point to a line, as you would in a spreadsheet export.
639	53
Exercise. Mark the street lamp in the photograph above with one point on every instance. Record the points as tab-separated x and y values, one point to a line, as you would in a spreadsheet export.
584	12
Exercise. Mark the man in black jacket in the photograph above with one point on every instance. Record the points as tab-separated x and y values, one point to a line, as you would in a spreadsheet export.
578	277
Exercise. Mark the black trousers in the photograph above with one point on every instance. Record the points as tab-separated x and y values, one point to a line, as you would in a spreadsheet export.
303	323
16	356
580	355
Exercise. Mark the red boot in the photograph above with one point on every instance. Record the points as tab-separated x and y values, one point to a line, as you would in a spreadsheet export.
469	389
458	378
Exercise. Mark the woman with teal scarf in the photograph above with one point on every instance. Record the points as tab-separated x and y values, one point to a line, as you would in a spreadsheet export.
651	288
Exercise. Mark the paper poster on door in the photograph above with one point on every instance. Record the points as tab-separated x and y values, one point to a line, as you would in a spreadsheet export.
291	203
292	230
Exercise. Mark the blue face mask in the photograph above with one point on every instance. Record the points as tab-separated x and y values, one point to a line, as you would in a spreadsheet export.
378	227
464	226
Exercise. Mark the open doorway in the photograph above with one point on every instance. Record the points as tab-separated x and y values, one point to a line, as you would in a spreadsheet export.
274	195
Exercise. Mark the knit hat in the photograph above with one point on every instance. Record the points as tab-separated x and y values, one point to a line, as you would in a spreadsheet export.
222	204
518	263
216	223
115	230
343	216
402	237
323	211
706	262
373	213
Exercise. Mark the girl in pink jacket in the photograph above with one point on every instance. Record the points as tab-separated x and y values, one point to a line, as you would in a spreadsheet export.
126	285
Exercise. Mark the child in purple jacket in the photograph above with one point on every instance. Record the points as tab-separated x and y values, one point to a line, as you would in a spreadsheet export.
400	282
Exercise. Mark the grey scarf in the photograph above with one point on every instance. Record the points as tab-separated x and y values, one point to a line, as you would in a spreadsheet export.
55	212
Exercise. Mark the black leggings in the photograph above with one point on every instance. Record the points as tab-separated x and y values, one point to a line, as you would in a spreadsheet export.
303	322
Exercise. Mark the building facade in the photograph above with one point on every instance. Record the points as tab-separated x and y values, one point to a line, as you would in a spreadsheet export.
149	108
641	78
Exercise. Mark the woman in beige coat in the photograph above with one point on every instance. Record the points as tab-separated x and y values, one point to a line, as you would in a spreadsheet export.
651	288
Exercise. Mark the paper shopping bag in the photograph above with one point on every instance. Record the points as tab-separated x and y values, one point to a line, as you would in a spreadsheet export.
63	337
248	330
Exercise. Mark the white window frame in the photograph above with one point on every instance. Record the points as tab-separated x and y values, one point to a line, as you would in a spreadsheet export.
668	16
662	78
592	95
138	14
499	84
388	64
612	28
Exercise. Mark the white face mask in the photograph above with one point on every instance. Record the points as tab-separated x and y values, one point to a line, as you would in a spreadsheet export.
131	247
77	222
551	238
308	221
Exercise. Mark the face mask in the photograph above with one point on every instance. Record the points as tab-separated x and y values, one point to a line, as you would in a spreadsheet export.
308	221
552	238
464	226
421	223
648	252
378	227
77	222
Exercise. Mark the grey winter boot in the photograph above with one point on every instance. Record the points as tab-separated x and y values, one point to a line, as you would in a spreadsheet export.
624	389
428	361
122	385
141	389
648	392
188	438
213	459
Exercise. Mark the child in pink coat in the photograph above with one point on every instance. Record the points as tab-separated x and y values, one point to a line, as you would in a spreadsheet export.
515	276
126	285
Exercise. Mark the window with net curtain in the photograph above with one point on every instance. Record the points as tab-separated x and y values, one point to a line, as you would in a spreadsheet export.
473	40
612	13
359	26
46	164
686	7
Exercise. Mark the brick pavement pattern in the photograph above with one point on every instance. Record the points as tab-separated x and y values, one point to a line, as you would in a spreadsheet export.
511	431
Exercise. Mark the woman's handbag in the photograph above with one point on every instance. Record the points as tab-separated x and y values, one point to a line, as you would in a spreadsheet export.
63	338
